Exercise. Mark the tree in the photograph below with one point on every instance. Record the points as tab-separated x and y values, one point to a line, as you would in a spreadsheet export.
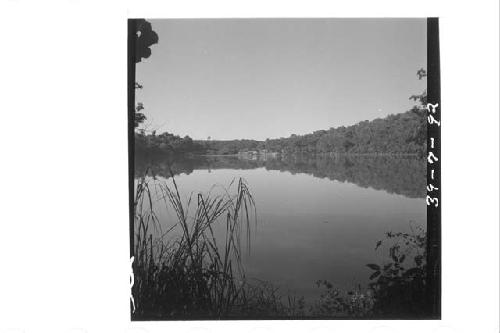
139	116
145	37
422	98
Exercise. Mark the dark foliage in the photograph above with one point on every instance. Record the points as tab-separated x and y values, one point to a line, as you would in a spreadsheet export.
334	302
398	288
145	37
403	133
193	273
165	143
399	285
139	117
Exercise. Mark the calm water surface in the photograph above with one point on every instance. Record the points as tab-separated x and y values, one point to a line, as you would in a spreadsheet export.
316	218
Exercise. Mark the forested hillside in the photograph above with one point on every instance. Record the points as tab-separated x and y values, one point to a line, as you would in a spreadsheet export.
166	143
403	133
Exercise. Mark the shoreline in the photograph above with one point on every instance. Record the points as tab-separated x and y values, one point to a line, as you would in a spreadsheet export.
318	154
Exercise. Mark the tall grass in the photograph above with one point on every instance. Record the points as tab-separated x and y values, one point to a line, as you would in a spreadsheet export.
186	272
191	273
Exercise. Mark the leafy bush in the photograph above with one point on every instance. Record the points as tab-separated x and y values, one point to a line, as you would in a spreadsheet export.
337	303
399	285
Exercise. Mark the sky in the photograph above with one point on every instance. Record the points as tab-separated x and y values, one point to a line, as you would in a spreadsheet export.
270	78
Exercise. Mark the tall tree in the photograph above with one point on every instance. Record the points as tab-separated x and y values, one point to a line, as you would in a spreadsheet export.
145	38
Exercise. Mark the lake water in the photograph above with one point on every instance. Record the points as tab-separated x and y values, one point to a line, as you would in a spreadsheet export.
317	218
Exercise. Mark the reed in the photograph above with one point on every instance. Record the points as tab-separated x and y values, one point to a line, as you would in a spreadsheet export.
190	273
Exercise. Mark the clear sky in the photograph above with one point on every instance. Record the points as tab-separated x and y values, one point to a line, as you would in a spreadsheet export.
270	78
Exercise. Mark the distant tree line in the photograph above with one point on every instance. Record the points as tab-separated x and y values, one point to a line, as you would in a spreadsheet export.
165	143
402	133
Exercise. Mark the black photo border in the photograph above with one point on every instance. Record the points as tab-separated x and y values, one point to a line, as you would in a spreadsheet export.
433	169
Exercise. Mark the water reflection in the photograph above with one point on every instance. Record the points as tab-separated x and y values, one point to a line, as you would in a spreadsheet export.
396	175
319	218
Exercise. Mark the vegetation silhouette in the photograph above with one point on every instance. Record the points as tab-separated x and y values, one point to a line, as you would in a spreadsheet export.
398	289
403	133
191	274
144	38
194	275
